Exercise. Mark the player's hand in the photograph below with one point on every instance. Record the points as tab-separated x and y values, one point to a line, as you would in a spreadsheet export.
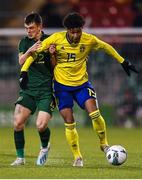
35	47
23	80
52	51
128	67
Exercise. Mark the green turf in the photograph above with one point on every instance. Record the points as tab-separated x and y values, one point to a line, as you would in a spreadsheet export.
60	158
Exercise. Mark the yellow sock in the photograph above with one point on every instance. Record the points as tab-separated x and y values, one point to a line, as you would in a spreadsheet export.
100	126
73	139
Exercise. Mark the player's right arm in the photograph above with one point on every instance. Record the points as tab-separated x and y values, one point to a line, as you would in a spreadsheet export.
44	45
24	55
27	59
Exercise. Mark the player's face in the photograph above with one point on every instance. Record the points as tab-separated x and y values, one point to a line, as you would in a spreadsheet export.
33	30
74	35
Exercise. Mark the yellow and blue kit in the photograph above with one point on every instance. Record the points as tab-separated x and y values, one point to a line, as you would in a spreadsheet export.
71	68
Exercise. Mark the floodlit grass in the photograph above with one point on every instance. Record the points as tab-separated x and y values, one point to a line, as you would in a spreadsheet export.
60	159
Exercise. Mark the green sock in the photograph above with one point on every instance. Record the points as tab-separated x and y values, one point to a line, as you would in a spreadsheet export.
19	143
44	137
20	153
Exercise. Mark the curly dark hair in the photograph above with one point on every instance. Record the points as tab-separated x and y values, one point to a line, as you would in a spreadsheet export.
73	20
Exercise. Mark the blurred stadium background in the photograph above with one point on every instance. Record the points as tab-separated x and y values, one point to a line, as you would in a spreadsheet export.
118	22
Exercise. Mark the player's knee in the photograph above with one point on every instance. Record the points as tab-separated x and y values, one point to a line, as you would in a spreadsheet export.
18	124
41	126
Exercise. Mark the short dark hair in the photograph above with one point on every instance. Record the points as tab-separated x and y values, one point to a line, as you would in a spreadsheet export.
33	18
73	20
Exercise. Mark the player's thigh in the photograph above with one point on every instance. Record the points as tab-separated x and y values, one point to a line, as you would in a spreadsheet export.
86	98
27	101
45	106
46	103
64	99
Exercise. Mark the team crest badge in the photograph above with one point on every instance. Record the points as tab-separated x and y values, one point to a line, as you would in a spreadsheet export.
82	48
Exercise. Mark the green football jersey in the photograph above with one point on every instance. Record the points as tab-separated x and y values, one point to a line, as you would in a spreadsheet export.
39	74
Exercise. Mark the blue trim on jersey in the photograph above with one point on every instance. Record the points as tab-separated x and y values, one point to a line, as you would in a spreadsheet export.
66	95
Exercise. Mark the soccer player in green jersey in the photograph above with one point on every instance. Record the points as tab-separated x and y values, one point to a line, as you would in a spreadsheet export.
71	78
38	93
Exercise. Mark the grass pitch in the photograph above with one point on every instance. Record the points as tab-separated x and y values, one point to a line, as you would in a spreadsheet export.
59	165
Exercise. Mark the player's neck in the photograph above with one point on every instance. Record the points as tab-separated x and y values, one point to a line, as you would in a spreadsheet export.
68	38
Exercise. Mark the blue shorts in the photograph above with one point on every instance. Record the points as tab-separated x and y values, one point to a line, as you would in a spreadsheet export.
65	95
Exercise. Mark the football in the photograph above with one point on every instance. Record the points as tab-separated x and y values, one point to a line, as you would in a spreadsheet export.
116	155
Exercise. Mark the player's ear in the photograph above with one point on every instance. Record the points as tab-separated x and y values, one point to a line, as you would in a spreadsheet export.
39	27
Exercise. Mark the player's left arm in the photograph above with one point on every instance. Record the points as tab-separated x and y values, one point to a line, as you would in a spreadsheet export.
45	44
127	65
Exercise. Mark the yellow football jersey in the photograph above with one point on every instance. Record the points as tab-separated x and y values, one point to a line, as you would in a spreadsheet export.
71	68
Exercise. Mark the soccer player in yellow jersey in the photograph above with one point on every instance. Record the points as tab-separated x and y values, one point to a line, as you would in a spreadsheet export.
71	78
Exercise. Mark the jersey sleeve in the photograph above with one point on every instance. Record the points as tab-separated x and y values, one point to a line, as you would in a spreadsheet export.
98	44
46	42
21	46
27	64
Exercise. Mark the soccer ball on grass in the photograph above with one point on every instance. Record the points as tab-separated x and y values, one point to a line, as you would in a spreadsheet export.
116	155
